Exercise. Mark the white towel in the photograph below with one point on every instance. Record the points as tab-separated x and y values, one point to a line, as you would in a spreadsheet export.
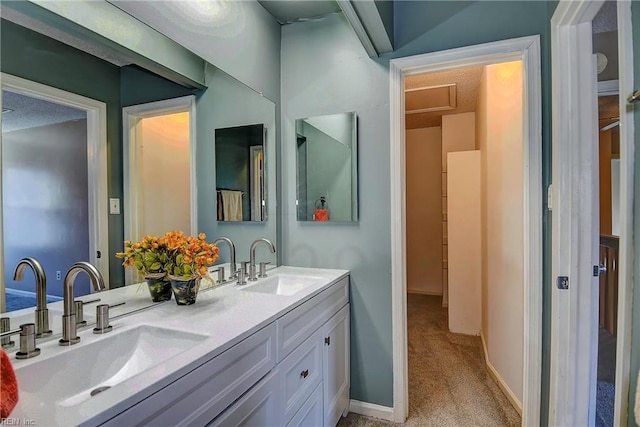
232	205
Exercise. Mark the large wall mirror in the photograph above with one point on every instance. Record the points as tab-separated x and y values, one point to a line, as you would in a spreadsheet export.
240	173
327	168
225	103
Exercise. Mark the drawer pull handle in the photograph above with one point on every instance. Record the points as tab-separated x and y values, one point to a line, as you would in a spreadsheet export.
327	340
305	373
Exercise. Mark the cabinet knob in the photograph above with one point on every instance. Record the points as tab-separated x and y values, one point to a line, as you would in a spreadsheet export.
327	340
305	373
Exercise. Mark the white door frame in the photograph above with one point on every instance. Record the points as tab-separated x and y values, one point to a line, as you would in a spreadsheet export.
131	116
96	158
575	139
526	49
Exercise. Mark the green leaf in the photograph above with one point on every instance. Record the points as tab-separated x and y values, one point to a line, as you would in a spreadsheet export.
186	269
155	266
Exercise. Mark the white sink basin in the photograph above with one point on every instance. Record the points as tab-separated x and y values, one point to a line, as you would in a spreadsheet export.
70	378
282	284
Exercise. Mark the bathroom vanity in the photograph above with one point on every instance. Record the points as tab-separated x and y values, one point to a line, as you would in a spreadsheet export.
272	352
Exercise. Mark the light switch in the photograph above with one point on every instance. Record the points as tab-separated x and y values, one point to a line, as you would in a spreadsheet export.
114	206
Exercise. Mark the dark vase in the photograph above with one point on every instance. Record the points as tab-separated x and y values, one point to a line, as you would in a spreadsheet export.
159	287
185	290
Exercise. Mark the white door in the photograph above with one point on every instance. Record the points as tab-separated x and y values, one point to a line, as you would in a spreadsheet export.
336	366
575	213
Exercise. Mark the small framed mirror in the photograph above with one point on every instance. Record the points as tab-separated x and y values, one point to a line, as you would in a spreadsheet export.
327	168
240	173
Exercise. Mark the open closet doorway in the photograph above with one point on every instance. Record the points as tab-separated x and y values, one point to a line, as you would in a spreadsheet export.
483	267
160	191
53	175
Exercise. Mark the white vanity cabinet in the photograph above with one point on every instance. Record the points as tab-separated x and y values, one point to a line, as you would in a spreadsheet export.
294	371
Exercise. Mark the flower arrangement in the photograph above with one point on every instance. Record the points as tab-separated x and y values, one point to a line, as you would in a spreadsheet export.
172	262
174	254
149	256
188	256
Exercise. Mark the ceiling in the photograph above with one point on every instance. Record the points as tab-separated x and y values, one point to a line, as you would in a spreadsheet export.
288	11
28	112
467	82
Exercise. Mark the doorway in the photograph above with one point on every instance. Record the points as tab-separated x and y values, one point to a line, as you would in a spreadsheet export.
526	50
464	175
159	170
576	224
93	199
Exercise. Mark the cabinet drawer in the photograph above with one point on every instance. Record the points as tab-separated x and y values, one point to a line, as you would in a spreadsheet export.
259	407
205	392
298	324
310	415
300	373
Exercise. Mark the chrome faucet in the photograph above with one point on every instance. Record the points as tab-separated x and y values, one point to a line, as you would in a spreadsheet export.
252	257
232	249
42	313
69	326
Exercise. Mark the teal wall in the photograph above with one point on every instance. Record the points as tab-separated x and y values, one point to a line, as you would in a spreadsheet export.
322	61
32	56
635	333
229	103
139	86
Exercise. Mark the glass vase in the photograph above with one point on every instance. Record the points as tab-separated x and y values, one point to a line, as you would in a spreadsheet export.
185	290
159	287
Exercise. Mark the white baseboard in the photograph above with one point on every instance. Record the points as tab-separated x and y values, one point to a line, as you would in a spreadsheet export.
498	378
423	292
371	410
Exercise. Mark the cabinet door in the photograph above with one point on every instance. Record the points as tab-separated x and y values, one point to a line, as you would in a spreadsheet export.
336	366
310	414
258	407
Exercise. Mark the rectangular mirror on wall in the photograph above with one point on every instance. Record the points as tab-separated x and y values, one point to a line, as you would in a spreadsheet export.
327	173
240	173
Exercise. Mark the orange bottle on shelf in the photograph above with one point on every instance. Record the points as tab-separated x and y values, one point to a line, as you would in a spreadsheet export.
321	212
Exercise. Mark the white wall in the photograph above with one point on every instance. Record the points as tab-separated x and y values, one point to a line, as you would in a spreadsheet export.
165	174
500	137
465	259
424	210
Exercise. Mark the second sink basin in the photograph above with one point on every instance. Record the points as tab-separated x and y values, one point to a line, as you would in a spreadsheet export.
68	379
282	284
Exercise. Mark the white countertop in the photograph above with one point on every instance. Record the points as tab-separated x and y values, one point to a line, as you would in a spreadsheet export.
224	314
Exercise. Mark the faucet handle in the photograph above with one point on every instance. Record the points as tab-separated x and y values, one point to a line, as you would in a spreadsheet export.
243	266
79	306
241	276
263	269
220	271
5	326
27	333
102	318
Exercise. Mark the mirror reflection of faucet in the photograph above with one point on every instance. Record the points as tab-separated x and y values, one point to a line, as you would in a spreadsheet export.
232	259
42	313
252	257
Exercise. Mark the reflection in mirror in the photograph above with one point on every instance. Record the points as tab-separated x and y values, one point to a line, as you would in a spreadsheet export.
327	168
240	173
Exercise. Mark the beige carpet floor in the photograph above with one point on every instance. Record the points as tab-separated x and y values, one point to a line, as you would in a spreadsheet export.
449	384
